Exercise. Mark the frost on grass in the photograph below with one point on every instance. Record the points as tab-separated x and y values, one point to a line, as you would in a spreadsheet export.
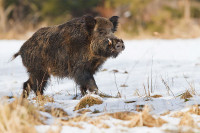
87	101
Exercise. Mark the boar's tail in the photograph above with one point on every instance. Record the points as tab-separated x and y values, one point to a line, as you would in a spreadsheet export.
15	55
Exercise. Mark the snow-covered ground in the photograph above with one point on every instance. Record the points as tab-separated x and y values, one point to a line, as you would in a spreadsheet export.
146	68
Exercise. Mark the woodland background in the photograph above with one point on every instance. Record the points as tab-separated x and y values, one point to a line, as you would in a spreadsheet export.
140	19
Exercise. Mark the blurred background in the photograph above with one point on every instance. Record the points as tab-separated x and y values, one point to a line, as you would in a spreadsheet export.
140	19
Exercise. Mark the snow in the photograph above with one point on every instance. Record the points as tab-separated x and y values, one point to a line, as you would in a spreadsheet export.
148	63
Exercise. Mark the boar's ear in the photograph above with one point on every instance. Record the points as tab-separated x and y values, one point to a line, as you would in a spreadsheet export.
90	22
114	20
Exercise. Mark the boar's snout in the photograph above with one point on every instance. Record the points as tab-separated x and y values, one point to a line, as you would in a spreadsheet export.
119	46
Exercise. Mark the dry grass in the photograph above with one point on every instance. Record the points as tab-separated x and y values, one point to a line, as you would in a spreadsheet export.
83	111
194	110
156	96
165	113
178	114
186	95
104	70
56	112
78	118
123	85
122	115
88	101
58	130
141	119
132	101
187	120
98	121
42	99
18	117
139	108
115	71
145	119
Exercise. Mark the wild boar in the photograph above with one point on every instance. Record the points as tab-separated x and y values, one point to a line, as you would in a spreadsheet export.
75	49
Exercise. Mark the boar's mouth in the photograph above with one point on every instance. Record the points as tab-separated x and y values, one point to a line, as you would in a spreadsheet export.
117	46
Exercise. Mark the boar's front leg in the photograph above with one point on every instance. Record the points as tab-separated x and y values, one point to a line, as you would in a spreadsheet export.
86	82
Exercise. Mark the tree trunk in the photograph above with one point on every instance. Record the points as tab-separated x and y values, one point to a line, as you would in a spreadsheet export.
3	26
187	11
4	16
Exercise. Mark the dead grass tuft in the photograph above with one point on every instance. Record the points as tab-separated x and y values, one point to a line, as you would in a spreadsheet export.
75	125
140	119
123	85
42	99
56	112
122	115
139	108
145	119
187	120
88	101
99	121
165	113
83	111
156	96
50	130
115	71
104	70
186	95
195	110
77	119
178	114
19	116
125	72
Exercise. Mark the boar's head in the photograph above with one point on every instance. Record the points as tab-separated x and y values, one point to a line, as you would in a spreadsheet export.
103	41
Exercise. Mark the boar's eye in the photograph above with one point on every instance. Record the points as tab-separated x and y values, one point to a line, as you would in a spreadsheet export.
101	31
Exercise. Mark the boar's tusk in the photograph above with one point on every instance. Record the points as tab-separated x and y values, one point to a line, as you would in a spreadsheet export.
109	42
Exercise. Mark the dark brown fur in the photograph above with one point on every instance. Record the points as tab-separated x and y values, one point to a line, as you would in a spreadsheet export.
75	49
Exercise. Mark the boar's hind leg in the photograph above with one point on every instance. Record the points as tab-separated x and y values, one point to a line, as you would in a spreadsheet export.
26	89
37	82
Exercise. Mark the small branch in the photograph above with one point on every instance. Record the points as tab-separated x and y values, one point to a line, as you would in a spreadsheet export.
117	86
167	87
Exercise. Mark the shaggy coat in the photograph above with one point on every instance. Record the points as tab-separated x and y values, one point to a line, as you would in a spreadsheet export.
75	49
